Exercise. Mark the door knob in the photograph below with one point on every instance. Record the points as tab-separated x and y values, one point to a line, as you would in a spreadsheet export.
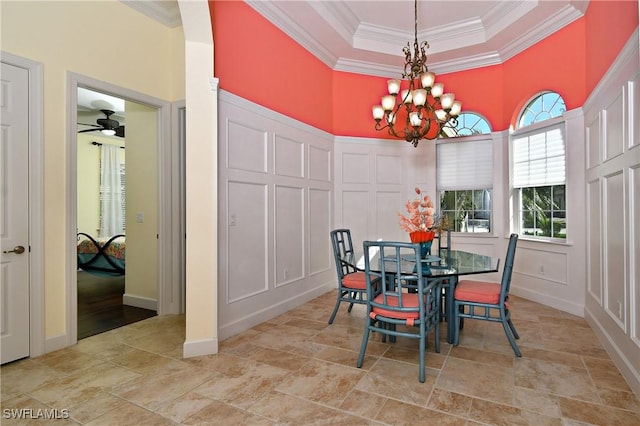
16	250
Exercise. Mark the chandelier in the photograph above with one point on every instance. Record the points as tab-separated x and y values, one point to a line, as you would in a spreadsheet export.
423	108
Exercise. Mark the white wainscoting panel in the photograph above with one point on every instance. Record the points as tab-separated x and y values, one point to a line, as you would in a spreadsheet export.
614	249
289	230
288	157
249	151
614	315
355	215
355	168
634	252
320	208
247	240
388	204
388	169
594	247
274	252
613	116
541	265
592	136
320	164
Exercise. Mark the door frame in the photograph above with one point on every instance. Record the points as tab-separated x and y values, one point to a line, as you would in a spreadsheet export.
169	290
36	199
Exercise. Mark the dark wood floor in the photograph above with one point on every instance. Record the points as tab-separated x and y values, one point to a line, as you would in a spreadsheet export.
100	305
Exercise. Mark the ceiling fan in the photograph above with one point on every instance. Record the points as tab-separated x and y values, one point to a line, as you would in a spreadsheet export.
107	126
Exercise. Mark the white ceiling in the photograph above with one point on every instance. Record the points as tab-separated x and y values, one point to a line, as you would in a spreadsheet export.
367	37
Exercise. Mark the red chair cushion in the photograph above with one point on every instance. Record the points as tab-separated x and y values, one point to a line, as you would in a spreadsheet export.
477	291
409	300
355	280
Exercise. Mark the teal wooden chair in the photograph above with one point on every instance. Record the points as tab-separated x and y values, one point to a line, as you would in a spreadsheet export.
396	270
352	286
478	299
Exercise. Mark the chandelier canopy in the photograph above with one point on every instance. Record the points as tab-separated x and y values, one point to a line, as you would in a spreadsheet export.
423	108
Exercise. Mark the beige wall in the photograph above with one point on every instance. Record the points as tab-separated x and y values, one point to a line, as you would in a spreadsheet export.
104	40
141	279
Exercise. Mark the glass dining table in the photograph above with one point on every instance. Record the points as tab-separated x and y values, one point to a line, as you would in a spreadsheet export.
445	269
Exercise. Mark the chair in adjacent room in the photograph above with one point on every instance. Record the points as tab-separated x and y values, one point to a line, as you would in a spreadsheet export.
478	299
352	285
391	309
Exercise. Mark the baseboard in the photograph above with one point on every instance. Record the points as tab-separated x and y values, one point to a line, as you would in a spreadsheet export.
52	344
140	302
260	316
626	367
200	348
552	302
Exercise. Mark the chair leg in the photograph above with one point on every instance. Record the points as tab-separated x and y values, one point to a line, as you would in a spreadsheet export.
423	343
335	310
506	324
350	307
456	327
513	329
363	345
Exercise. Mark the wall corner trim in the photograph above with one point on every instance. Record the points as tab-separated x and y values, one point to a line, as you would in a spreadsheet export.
200	347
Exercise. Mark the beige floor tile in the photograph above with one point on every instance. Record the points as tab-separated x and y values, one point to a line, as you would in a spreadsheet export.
401	413
597	414
499	414
130	415
23	376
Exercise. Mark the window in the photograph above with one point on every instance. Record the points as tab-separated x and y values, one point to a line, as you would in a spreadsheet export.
470	123
465	182
538	163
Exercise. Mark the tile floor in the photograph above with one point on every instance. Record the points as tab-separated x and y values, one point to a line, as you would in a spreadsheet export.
298	370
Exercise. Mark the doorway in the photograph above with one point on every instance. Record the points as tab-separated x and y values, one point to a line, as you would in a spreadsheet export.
109	190
152	229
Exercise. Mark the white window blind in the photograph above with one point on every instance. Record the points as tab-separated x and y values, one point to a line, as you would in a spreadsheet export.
465	165
539	158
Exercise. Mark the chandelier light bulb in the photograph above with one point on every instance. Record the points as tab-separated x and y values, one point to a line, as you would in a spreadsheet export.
388	102
378	112
415	120
427	79
441	115
446	101
437	90
419	97
393	86
456	109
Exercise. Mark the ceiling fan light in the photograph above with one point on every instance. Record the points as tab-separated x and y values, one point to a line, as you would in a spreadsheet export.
108	132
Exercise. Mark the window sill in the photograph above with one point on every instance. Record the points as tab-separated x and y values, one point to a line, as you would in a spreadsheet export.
542	240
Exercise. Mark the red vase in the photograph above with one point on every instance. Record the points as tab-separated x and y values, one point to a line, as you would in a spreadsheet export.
421	236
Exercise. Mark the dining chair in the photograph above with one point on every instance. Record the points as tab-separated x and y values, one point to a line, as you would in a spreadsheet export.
488	297
390	303
352	285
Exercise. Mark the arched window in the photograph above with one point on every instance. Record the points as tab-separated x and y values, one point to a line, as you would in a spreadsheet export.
542	107
539	164
470	123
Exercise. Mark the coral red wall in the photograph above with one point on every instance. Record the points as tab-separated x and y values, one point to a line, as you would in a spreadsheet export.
255	60
290	80
609	24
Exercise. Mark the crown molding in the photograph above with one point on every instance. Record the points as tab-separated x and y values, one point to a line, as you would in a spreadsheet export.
164	11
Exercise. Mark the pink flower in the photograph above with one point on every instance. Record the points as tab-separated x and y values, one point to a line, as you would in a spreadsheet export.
420	212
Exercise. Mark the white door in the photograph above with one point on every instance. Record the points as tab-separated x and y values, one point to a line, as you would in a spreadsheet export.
14	214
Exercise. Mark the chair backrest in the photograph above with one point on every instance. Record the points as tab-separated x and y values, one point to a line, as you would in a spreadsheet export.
384	260
508	267
444	242
342	245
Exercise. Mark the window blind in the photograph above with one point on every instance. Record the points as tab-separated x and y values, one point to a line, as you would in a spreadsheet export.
539	158
465	165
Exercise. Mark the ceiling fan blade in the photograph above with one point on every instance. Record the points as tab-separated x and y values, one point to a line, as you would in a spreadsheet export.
120	131
97	129
87	124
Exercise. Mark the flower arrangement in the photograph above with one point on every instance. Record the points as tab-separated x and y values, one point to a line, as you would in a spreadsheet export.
421	214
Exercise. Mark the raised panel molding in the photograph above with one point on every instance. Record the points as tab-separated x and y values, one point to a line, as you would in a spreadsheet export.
542	264
389	169
288	157
289	234
320	164
594	241
593	142
614	249
320	207
247	266
613	116
634	112
246	147
634	252
355	168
